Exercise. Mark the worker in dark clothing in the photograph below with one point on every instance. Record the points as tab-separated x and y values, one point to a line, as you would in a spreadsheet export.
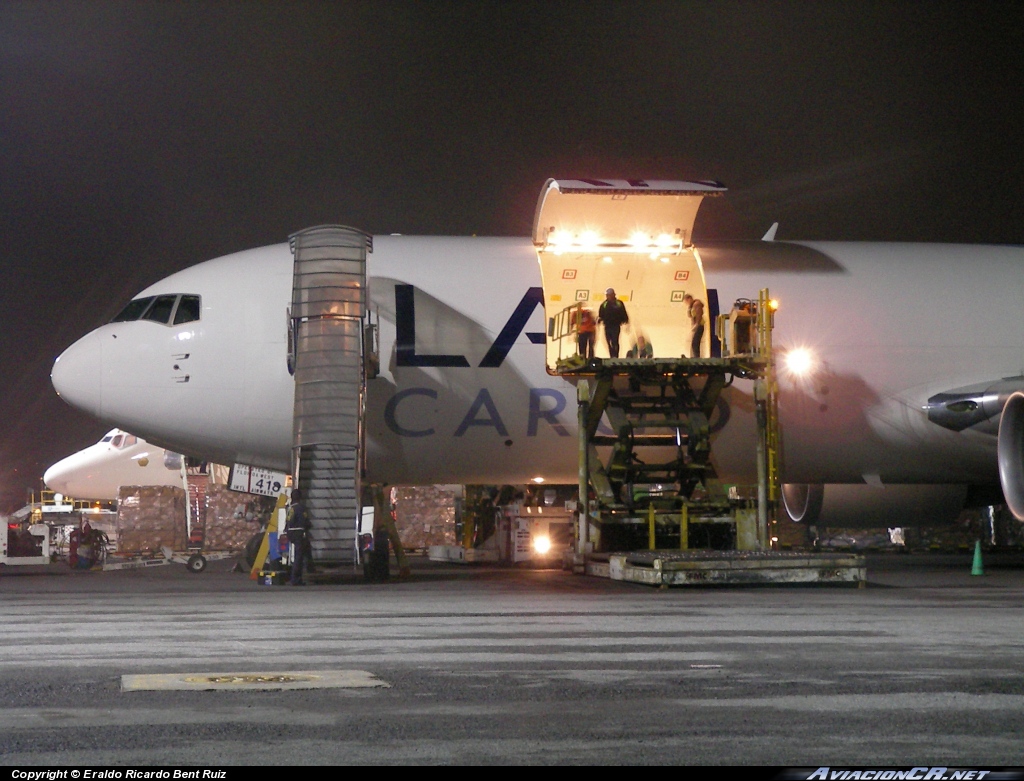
613	314
695	314
297	527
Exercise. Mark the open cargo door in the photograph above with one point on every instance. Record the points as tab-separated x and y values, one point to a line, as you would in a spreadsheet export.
633	236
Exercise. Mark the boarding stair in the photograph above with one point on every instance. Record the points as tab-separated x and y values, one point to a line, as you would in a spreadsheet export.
197	484
329	307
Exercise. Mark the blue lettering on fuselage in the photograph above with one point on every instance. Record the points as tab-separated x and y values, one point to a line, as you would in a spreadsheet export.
545	405
391	409
482	411
549	415
516	323
405	332
483	400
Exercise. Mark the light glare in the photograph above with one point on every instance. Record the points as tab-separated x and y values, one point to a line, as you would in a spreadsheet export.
799	361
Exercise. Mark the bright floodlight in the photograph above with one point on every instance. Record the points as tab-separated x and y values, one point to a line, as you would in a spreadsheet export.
542	544
589	239
799	361
538	480
560	238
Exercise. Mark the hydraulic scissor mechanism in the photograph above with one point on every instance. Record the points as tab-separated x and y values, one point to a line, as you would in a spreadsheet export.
657	411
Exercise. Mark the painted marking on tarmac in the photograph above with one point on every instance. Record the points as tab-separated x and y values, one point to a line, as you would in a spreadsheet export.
265	681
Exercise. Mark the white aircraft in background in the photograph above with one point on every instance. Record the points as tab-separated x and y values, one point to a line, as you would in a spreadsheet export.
120	458
898	361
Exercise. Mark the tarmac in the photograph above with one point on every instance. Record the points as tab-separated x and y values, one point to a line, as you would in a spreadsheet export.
489	665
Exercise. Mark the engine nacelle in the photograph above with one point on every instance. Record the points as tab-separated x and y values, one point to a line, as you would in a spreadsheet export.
1010	452
975	407
802	501
867	506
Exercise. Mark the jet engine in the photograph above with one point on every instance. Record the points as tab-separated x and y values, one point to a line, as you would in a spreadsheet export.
868	506
1010	453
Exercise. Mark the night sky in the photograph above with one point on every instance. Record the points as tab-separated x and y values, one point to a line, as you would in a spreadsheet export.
139	138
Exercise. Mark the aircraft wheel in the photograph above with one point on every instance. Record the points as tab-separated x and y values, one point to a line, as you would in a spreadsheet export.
196	563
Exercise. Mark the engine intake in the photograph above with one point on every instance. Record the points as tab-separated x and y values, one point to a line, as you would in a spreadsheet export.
1010	452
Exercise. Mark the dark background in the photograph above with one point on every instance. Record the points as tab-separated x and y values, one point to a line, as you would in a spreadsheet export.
139	138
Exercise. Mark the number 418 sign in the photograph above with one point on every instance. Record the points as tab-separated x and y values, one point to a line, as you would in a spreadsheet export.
253	480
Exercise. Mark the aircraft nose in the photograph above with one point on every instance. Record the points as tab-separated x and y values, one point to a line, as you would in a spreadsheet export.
56	479
77	375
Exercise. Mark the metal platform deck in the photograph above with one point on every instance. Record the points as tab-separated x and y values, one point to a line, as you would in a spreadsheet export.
703	567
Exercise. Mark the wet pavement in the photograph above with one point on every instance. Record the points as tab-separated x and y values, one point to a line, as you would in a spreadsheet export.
924	666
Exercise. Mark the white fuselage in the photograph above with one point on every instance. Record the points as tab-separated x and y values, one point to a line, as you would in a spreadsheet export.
119	459
889	324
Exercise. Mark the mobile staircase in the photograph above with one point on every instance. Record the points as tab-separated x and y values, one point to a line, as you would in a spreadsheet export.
328	315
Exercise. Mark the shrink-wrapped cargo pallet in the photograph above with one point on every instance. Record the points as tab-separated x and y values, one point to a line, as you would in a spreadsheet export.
233	517
425	515
149	518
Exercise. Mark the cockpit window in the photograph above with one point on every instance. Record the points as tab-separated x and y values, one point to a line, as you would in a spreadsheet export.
107	438
187	311
117	441
160	310
134	310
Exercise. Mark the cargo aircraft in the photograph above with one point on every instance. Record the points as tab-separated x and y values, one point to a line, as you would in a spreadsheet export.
119	458
900	371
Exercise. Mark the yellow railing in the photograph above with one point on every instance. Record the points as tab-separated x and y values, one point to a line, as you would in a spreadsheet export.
766	307
565	325
48	498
